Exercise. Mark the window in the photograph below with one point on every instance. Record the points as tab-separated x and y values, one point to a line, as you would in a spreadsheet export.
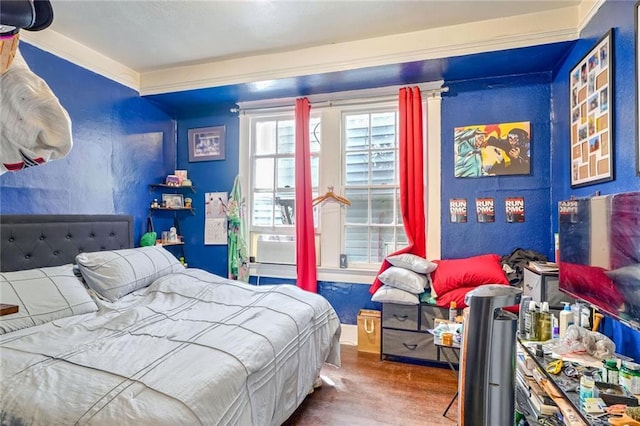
273	172
355	151
373	222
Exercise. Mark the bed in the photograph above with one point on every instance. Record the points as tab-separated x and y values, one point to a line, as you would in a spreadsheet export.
164	344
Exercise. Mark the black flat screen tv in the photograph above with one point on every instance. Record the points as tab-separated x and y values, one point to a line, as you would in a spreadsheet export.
600	253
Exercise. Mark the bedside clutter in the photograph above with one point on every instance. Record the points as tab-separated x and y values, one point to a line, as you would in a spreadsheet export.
412	279
416	293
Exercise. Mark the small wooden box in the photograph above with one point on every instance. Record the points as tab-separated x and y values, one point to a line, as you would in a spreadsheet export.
369	331
8	309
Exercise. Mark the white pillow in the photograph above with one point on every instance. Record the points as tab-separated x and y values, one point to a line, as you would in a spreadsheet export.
403	279
388	294
43	295
116	273
413	262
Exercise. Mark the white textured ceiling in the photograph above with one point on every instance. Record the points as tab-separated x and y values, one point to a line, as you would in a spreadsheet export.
151	35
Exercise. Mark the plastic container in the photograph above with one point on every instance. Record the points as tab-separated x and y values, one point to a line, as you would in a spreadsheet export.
453	311
629	376
566	319
576	308
587	384
530	318
610	371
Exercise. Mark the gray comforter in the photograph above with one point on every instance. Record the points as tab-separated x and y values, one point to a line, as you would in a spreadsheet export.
192	348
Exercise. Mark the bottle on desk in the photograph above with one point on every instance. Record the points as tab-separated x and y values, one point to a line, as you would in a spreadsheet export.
545	325
530	322
566	319
453	311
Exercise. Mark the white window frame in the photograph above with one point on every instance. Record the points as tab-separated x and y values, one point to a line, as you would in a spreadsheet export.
329	232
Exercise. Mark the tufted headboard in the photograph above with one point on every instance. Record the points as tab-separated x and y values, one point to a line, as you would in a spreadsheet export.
37	241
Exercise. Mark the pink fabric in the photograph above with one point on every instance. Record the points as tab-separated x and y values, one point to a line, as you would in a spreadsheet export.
305	238
411	177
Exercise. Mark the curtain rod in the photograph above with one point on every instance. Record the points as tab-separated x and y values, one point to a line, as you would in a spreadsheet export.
346	98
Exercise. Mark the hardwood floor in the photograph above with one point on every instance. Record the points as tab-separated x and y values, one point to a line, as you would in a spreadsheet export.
368	391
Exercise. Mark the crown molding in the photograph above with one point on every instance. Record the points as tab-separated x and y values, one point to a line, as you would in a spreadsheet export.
587	10
79	54
483	36
491	35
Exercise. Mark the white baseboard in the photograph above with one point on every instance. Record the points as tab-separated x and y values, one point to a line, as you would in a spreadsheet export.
349	335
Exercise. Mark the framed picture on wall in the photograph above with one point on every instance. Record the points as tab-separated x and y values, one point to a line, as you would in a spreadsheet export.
207	144
591	115
492	149
637	19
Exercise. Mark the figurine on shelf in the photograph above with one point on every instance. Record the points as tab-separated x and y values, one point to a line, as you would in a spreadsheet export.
172	180
187	203
154	204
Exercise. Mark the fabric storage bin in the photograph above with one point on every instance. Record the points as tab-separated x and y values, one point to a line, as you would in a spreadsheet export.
369	331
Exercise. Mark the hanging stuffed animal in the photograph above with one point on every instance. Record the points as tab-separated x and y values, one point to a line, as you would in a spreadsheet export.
34	127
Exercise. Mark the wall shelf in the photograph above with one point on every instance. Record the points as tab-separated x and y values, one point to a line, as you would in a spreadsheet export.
169	209
154	186
178	243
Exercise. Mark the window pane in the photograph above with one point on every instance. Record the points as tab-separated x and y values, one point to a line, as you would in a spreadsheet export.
383	167
262	210
263	172
358	211
286	172
286	137
315	171
382	203
357	169
382	243
314	134
401	238
285	208
357	131
356	238
265	138
398	209
383	130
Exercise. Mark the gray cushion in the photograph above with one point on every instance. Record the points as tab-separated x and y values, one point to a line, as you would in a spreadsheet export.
411	261
388	294
116	273
43	295
404	279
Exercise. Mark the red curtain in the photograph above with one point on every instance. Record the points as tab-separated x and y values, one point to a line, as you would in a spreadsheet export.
305	238
411	176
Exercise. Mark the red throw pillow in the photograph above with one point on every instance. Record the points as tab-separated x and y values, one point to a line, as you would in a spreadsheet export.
468	272
457	295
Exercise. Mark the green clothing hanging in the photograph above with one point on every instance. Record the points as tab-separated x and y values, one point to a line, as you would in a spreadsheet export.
236	231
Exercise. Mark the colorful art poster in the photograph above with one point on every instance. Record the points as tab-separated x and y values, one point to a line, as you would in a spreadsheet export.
486	210
458	210
492	149
514	209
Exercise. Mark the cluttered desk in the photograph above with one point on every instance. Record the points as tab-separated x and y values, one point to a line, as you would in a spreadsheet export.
573	390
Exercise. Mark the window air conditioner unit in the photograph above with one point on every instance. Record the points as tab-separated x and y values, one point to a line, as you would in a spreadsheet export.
280	249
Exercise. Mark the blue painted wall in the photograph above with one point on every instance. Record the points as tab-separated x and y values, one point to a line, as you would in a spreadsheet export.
208	176
620	16
121	143
529	101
